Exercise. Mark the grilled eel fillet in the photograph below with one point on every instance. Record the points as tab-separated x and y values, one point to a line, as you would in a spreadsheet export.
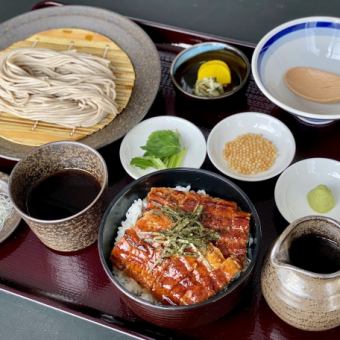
184	280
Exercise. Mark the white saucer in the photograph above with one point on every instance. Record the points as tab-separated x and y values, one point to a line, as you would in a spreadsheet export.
191	137
251	122
295	182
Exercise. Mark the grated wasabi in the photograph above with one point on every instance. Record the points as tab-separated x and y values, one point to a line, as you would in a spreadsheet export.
321	199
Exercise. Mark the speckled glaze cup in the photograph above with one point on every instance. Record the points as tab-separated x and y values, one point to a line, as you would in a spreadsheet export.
304	299
74	232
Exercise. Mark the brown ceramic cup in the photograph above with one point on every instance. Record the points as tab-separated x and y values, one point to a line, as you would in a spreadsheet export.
76	231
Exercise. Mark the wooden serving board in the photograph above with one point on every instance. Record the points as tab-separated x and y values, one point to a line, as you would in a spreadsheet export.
28	132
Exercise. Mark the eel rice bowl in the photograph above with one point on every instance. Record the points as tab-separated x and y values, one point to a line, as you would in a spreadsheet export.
180	247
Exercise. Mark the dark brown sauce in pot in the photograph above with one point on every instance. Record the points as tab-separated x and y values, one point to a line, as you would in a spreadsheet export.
315	253
62	194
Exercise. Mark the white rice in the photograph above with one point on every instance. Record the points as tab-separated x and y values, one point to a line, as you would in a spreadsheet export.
188	188
133	286
185	189
132	215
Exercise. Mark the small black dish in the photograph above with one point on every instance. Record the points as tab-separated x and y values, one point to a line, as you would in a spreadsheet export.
184	68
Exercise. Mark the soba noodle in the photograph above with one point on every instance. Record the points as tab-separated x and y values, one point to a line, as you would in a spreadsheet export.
67	88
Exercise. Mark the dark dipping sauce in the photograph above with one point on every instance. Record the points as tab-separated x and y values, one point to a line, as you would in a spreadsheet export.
62	194
186	74
315	253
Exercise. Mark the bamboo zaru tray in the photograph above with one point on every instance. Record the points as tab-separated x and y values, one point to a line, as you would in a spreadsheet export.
34	133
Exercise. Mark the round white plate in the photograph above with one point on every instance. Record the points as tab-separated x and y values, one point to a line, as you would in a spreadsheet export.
191	138
251	122
295	182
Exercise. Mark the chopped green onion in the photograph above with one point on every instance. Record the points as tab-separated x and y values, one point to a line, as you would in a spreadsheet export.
187	237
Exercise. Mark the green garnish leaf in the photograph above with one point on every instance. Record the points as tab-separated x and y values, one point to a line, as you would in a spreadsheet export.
148	162
187	237
163	143
162	150
175	160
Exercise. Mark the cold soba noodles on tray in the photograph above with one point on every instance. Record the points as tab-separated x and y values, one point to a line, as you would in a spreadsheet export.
67	88
62	84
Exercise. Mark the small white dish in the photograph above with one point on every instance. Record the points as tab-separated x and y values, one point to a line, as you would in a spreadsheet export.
14	219
251	122
295	182
191	138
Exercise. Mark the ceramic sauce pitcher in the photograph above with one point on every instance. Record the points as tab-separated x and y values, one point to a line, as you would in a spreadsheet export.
301	275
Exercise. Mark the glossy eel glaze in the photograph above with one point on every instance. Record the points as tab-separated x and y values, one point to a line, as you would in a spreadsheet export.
185	279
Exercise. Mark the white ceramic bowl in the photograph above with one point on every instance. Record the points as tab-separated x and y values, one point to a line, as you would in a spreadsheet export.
251	122
191	137
295	182
310	42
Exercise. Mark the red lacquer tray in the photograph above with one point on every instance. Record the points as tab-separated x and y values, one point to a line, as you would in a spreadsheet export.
77	284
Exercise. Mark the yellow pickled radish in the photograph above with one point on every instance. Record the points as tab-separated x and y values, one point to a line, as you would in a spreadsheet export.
215	69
